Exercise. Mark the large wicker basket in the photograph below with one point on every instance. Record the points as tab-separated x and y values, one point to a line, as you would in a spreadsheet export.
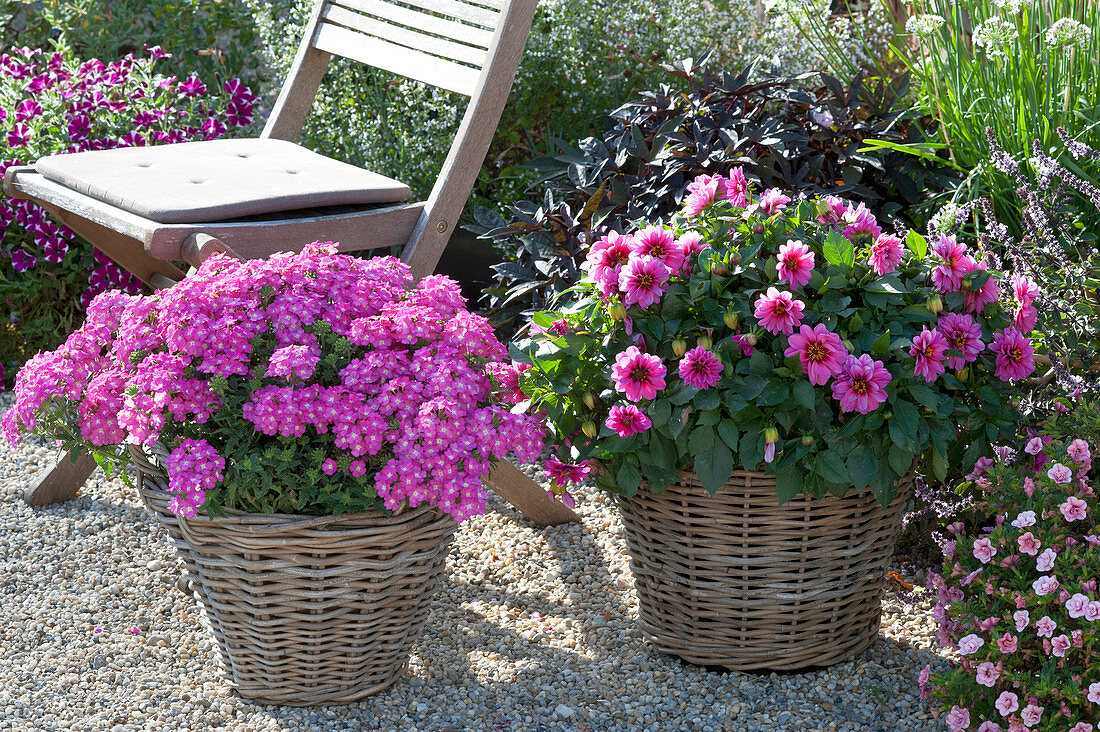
308	610
735	580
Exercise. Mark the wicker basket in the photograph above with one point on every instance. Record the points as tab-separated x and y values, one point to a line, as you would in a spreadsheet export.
308	610
738	581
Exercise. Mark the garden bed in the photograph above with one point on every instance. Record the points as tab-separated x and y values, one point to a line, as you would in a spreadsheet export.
535	629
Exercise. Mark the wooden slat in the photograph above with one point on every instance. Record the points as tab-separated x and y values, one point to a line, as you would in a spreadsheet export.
514	486
397	59
421	21
404	36
459	11
62	480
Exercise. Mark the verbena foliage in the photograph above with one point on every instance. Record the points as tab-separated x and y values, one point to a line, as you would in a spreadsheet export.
785	134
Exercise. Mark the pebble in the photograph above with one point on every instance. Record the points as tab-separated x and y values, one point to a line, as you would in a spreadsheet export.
533	629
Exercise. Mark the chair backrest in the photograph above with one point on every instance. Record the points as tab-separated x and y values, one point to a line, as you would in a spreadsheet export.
472	47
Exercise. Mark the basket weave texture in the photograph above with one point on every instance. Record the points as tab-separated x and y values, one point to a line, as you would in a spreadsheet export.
738	581
307	610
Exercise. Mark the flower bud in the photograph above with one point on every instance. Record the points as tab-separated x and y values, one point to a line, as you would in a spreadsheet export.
589	400
758	228
962	373
847	345
749	339
735	260
618	311
808	440
719	267
679	347
589	428
934	304
771	435
705	342
730	319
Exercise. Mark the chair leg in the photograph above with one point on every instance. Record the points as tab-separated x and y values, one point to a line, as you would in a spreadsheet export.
62	481
527	496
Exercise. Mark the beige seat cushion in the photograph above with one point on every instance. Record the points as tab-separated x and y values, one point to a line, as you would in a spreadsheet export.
197	182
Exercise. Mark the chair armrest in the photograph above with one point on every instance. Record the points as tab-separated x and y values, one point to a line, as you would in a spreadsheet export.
10	189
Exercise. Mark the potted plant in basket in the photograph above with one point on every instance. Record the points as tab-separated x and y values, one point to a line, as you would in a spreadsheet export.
756	384
310	429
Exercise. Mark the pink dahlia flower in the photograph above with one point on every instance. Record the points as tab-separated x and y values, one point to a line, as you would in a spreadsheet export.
691	243
566	472
795	263
701	192
859	221
736	187
608	257
778	311
978	300
700	368
964	335
659	243
821	352
929	348
955	264
831	210
1025	318
1014	355
1024	290
861	384
627	420
638	375
642	281
772	201
885	254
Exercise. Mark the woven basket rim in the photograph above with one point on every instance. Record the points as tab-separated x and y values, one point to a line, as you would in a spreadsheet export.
290	520
737	472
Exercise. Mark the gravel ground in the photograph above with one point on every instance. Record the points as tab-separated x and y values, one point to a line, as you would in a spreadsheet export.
533	630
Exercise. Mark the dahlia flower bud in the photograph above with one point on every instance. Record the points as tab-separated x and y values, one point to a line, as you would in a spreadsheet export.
679	347
705	342
589	428
589	400
934	304
771	436
618	311
730	319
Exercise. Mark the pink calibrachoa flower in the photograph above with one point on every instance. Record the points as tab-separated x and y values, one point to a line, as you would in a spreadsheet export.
778	311
772	201
1014	355
659	243
795	263
1080	727
955	264
929	348
1077	605
1074	509
988	726
821	352
1024	519
984	550
638	375
1028	543
986	674
885	254
1094	692
700	368
1021	618
1045	561
1031	714
1007	643
627	420
970	644
1007	703
701	192
1060	473
861	384
1079	451
1044	627
642	281
1045	585
958	718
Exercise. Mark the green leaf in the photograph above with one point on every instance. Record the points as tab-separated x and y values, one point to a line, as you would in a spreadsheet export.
701	440
900	460
917	244
774	393
628	479
804	394
923	394
881	344
831	467
752	449
862	466
907	417
727	430
714	467
939	464
663	451
659	412
708	399
788	483
838	250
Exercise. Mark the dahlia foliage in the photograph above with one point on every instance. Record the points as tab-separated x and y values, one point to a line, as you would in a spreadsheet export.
798	335
307	383
1018	598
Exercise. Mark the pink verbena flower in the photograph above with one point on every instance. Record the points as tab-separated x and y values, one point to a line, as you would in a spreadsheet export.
700	368
627	420
638	375
821	352
778	311
643	280
955	264
930	349
659	243
885	254
861	384
795	263
772	201
194	467
1014	355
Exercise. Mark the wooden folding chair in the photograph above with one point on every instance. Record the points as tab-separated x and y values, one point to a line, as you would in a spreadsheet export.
147	207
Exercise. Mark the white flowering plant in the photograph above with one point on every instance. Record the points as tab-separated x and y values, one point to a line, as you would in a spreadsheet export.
1018	597
762	332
